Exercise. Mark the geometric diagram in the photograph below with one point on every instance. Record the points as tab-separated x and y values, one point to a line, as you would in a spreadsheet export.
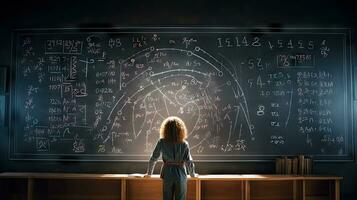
192	85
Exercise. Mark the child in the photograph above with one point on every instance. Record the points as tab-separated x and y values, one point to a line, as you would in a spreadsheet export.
176	156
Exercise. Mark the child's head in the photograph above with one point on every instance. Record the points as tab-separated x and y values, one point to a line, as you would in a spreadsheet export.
173	130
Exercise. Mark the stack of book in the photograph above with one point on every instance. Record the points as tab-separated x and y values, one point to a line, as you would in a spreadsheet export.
297	165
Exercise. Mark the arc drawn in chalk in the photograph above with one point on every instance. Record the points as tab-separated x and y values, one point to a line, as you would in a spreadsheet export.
229	137
198	49
198	118
177	93
168	71
242	92
129	98
190	71
234	126
179	70
147	94
290	102
145	118
203	140
137	76
136	54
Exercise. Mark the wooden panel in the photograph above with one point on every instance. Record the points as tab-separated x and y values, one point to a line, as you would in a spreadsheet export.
152	189
191	190
336	191
223	190
123	190
16	186
246	185
143	189
30	189
13	189
71	189
315	189
271	190
299	190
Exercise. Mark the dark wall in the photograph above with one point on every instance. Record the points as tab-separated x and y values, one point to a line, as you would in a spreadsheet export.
252	13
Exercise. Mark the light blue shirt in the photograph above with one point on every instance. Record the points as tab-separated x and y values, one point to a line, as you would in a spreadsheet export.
173	153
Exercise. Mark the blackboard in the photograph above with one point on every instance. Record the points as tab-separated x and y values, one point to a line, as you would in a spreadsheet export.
245	94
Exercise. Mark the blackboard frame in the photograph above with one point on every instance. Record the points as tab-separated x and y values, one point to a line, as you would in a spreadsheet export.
347	70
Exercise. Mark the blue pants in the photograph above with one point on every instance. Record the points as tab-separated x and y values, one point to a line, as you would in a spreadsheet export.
174	188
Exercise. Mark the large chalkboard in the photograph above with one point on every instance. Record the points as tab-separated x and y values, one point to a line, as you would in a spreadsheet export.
101	94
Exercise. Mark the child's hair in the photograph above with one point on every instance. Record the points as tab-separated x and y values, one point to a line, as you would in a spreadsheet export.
173	130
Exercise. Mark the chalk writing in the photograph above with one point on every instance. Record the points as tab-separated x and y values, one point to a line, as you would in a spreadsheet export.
240	94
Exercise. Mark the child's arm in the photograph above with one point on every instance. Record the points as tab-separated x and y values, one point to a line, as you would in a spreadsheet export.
190	166
154	157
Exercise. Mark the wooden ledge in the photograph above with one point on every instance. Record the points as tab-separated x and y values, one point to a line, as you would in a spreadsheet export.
137	176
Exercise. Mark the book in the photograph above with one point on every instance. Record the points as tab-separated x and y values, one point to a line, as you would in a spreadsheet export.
301	164
311	165
295	165
278	166
288	166
308	165
283	164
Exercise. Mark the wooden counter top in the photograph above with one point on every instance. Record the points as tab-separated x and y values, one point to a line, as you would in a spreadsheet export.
33	186
156	176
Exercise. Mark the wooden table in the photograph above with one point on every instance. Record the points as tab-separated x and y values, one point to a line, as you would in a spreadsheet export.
37	186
